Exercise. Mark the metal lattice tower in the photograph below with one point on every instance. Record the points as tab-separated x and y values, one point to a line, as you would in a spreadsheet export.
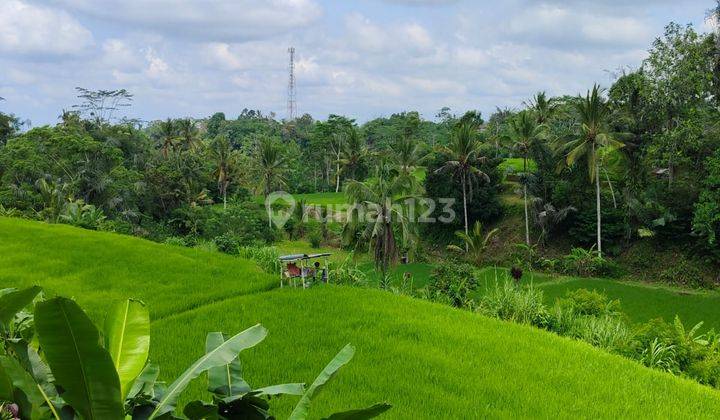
291	102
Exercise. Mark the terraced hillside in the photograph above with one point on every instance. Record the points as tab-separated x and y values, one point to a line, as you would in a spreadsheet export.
428	360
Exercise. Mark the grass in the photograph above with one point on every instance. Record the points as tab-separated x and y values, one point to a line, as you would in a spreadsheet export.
639	301
317	198
516	164
420	273
428	360
99	268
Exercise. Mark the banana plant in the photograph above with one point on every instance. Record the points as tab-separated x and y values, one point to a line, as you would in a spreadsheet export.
64	370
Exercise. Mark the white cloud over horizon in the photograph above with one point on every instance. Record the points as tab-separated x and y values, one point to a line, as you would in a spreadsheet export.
359	58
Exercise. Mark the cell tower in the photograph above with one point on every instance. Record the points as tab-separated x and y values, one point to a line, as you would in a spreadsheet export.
291	103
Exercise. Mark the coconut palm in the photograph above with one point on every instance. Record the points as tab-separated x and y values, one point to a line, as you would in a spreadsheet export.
463	155
168	135
379	211
408	154
524	132
547	217
352	152
188	133
542	107
222	154
475	242
594	140
271	164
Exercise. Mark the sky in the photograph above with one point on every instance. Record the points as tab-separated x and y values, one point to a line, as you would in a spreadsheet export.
363	59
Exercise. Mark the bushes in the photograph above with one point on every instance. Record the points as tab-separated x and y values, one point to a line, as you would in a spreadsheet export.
685	273
510	302
228	243
314	233
267	257
452	283
587	263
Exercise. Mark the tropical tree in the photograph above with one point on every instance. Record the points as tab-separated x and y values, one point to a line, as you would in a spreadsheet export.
352	153
408	154
525	131
547	217
188	133
593	139
270	163
475	242
224	157
167	135
542	107
379	210
463	154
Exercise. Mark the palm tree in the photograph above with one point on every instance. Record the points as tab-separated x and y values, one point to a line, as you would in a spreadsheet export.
352	152
543	107
168	135
524	133
188	132
547	217
408	154
222	153
475	242
271	164
594	137
462	157
337	141
379	209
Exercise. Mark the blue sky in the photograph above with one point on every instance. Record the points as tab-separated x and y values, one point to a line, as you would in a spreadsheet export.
363	59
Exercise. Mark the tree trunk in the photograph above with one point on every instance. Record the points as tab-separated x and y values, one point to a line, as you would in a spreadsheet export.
465	209
337	178
597	206
527	222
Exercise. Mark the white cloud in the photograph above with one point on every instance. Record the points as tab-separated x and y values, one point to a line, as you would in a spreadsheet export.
32	30
217	20
554	25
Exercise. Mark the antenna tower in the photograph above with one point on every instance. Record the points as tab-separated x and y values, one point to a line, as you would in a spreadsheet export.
291	102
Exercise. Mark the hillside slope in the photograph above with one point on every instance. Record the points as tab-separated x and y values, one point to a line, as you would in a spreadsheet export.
428	360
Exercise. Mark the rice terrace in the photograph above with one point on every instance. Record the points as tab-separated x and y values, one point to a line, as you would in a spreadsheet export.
349	210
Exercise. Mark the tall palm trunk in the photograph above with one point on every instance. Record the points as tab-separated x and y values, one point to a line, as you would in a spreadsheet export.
597	205
337	177
464	188
527	222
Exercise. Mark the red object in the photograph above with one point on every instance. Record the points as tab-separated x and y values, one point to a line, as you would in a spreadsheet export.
293	270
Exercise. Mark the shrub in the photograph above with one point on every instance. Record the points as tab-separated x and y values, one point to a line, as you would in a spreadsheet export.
586	302
314	233
175	240
685	273
587	263
267	257
452	283
245	221
510	302
227	243
607	332
659	355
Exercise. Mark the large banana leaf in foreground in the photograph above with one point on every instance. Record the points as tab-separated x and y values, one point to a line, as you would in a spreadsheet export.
303	406
220	356
82	367
11	303
127	338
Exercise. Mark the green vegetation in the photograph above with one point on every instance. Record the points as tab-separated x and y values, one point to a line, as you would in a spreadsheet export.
298	321
603	207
